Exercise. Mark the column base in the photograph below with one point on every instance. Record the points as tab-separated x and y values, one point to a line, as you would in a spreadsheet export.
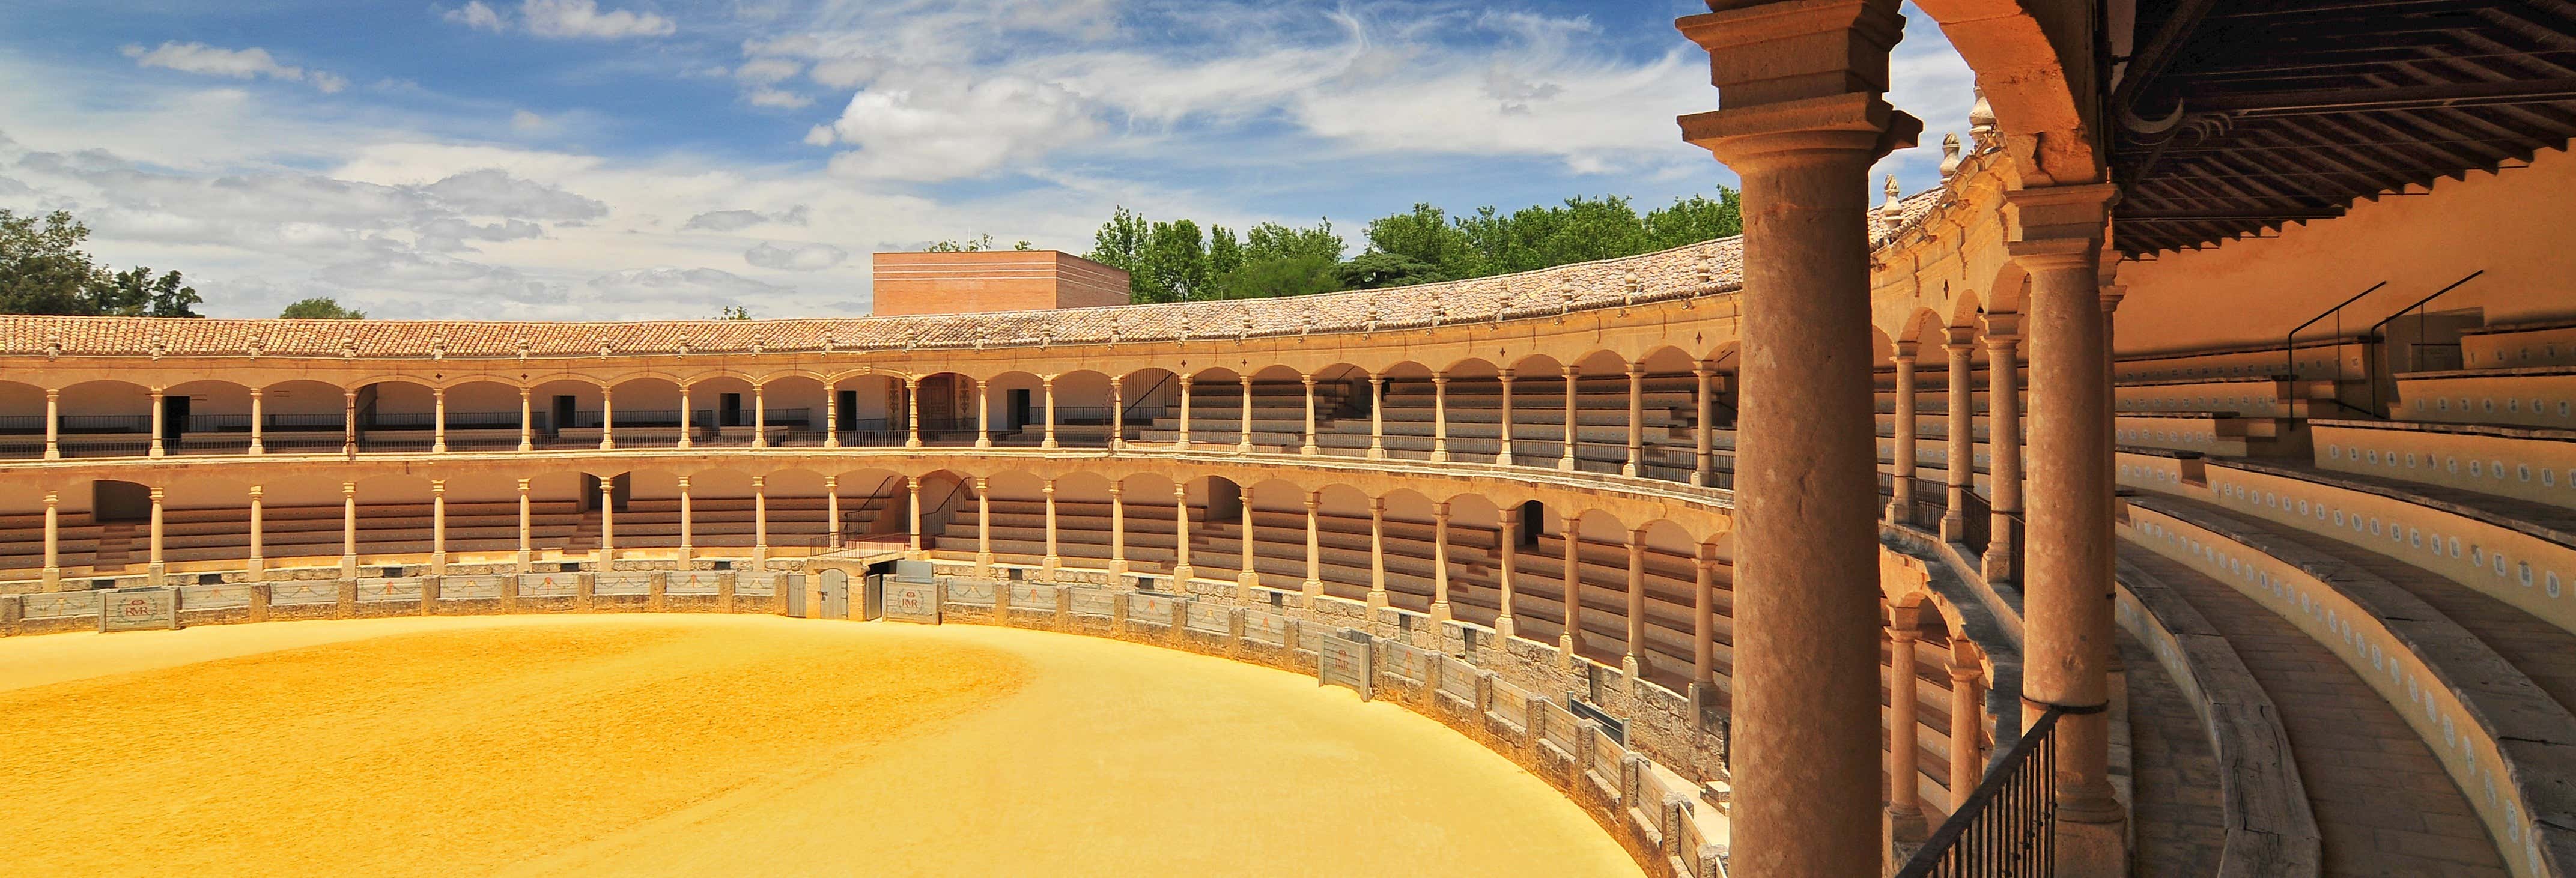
1899	511
155	574
1312	588
157	451
1049	445
834	442
438	448
53	579
57	453
1243	448
2092	849
524	445
1699	480
1954	526
1903	833
1048	565
979	443
762	442
1631	669
605	445
1376	453
348	566
1703	701
1628	469
1440	613
1309	449
1565	463
1181	576
760	557
983	563
1376	602
912	443
1504	457
438	564
688	556
1504	627
1566	647
1440	455
255	568
1244	585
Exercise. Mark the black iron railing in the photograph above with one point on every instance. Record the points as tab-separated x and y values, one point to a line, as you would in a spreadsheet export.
2007	827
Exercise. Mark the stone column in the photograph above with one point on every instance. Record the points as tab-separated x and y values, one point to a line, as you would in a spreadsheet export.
1634	663
1566	463
1961	458
983	525
1182	572
1704	619
1377	556
1900	509
831	415
1504	455
1967	721
832	506
2067	590
258	431
1377	415
1508	542
1801	120
912	510
1439	417
2003	446
160	411
1117	529
1704	463
527	547
759	522
688	527
1117	414
607	418
1243	438
54	540
438	420
54	423
607	521
1314	584
983	414
258	534
1905	825
911	412
1182	442
1636	421
1308	448
348	422
1570	643
155	567
349	530
1251	576
688	419
1047	385
1051	561
437	527
527	424
760	413
1440	563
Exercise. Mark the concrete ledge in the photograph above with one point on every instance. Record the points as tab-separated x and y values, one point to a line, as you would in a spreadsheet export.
2271	831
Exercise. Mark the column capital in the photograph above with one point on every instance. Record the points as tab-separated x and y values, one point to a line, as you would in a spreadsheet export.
1904	352
1903	619
1306	378
1440	512
53	498
1115	489
759	482
55	393
1767	53
2003	330
1959	338
438	487
156	491
1186	378
831	482
1861	123
2047	218
1504	373
347	489
2111	296
1049	487
981	482
1181	491
684	483
1313	500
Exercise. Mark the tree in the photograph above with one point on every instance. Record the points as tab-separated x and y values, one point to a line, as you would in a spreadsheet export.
1375	269
1694	219
44	271
320	308
1268	278
1173	266
733	312
1272	241
1426	237
1120	244
970	245
1225	254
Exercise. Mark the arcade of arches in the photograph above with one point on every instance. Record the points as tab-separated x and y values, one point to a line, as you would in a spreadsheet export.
1836	516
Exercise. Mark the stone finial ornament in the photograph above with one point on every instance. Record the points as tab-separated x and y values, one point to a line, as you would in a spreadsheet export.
604	346
438	348
349	347
53	344
523	347
684	344
258	346
1981	119
1949	154
760	343
1894	195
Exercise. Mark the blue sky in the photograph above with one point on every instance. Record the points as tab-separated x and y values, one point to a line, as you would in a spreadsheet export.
605	159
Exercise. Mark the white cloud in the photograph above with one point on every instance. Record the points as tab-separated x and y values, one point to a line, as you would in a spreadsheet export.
776	99
524	121
940	131
477	16
582	19
795	257
736	220
205	60
763	71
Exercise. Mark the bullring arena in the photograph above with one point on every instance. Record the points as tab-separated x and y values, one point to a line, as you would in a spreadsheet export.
2161	493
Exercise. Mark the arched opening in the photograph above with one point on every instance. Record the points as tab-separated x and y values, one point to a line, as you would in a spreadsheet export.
1014	405
1538	411
1146	401
1082	413
791	410
645	412
105	419
396	416
22	420
720	411
567	413
483	415
205	417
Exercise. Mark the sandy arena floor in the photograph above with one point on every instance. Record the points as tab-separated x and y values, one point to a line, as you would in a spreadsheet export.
740	745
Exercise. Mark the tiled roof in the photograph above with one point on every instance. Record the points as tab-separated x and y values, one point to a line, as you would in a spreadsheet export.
1703	269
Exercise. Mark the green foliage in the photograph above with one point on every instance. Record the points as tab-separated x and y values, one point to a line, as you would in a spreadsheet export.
738	312
44	271
320	308
977	244
1173	262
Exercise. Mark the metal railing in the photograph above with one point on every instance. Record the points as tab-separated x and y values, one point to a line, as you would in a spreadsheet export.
2377	405
2007	828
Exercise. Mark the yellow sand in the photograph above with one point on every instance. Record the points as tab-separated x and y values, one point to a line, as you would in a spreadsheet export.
732	745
